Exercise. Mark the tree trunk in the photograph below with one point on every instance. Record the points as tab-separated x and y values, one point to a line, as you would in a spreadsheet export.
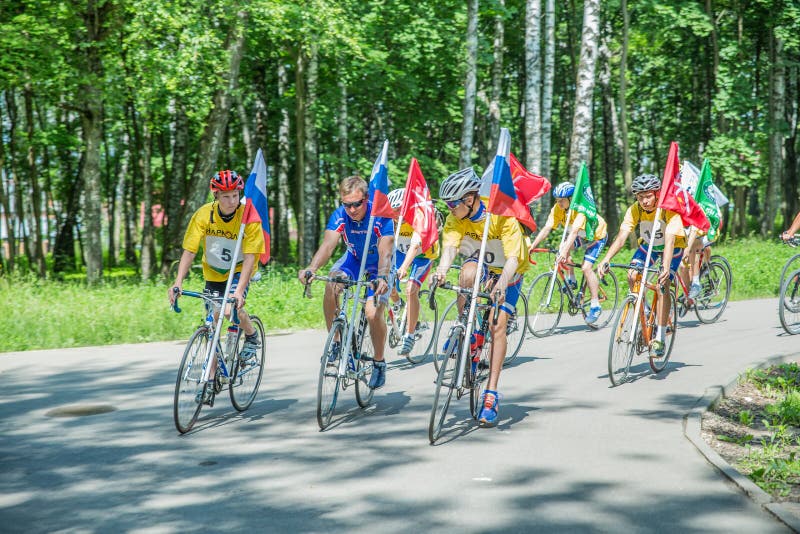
791	183
627	172
33	178
776	135
5	202
212	138
547	88
341	125
147	257
497	81
609	190
283	168
247	137
300	157
470	85
582	120
311	184
18	189
533	86
175	191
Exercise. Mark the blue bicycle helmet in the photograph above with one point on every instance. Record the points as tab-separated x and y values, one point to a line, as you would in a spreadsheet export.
564	190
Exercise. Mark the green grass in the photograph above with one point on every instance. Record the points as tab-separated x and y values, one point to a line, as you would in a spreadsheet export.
68	313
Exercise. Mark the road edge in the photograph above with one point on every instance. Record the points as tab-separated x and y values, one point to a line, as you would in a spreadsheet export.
787	513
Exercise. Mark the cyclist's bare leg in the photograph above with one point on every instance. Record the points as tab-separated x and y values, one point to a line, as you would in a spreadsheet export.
633	276
330	301
499	344
377	327
466	279
244	319
591	278
412	300
662	313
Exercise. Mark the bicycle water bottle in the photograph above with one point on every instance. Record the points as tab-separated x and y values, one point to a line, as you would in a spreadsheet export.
476	341
230	340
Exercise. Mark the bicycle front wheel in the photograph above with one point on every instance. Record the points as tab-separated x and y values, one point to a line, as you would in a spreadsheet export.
715	283
790	266
448	319
246	375
548	301
608	295
364	369
189	390
425	329
622	345
328	386
515	330
789	303
445	384
658	364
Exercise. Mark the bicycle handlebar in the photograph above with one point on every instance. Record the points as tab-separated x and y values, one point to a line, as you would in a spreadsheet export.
207	298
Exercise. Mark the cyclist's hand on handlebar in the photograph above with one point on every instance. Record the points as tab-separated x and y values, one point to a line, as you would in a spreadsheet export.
663	276
499	296
381	286
439	277
305	275
603	268
402	272
173	293
239	298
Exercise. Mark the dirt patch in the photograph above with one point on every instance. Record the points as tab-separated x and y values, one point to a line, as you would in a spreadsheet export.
738	430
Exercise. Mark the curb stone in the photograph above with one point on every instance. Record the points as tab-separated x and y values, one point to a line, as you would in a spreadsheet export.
787	513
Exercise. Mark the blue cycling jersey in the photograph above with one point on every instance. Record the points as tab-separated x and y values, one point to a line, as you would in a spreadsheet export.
354	233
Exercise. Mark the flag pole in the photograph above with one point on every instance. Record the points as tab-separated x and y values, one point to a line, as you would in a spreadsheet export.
642	284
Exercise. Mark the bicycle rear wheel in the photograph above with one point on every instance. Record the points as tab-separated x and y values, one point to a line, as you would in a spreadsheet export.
548	303
364	369
620	348
515	329
790	266
789	303
189	391
328	385
246	376
448	319
425	329
445	384
658	364
715	283
608	295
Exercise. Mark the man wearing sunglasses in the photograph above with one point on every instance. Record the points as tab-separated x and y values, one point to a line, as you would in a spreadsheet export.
350	221
505	260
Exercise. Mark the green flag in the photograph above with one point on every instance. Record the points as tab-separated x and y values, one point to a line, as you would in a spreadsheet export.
704	195
583	201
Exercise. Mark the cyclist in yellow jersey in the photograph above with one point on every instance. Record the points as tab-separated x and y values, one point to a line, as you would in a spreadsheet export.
668	245
216	226
505	261
412	262
576	236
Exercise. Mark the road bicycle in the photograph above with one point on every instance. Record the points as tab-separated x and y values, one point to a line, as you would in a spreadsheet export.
241	376
457	373
793	263
340	368
515	329
789	303
626	342
715	289
549	290
424	333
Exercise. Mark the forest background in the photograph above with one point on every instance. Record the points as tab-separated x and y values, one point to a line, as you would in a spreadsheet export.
112	109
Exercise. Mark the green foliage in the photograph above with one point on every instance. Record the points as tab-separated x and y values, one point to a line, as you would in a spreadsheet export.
746	417
787	411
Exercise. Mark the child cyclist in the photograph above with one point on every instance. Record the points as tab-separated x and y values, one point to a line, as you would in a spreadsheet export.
576	236
668	245
411	261
216	226
506	259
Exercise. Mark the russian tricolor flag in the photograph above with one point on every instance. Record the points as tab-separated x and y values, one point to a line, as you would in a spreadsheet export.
256	208
379	185
503	198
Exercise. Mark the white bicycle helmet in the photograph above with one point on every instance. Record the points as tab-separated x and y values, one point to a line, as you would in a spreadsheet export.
564	190
396	198
645	182
459	184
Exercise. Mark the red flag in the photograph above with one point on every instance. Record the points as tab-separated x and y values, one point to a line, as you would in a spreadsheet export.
528	186
417	209
256	208
503	198
675	197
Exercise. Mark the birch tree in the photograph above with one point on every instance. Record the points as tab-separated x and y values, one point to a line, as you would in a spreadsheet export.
470	85
533	85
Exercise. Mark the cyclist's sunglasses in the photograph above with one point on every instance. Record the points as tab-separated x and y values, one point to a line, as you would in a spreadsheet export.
353	205
453	204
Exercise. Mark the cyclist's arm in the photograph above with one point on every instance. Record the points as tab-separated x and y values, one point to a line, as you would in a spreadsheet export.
385	249
329	241
666	259
248	265
411	253
543	233
187	257
445	261
792	229
615	247
508	273
566	246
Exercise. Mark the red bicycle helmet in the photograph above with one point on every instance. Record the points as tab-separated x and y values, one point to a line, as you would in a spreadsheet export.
226	181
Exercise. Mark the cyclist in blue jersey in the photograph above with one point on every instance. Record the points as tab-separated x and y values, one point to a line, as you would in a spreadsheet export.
350	222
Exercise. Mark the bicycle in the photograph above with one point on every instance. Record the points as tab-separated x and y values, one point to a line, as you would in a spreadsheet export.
715	284
792	263
424	333
335	371
453	373
515	329
789	303
193	388
625	343
548	290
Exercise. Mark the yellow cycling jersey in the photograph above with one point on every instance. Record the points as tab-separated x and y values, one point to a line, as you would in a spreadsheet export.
558	217
404	240
505	239
670	224
219	240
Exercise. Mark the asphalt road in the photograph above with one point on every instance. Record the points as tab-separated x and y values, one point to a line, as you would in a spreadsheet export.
570	454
